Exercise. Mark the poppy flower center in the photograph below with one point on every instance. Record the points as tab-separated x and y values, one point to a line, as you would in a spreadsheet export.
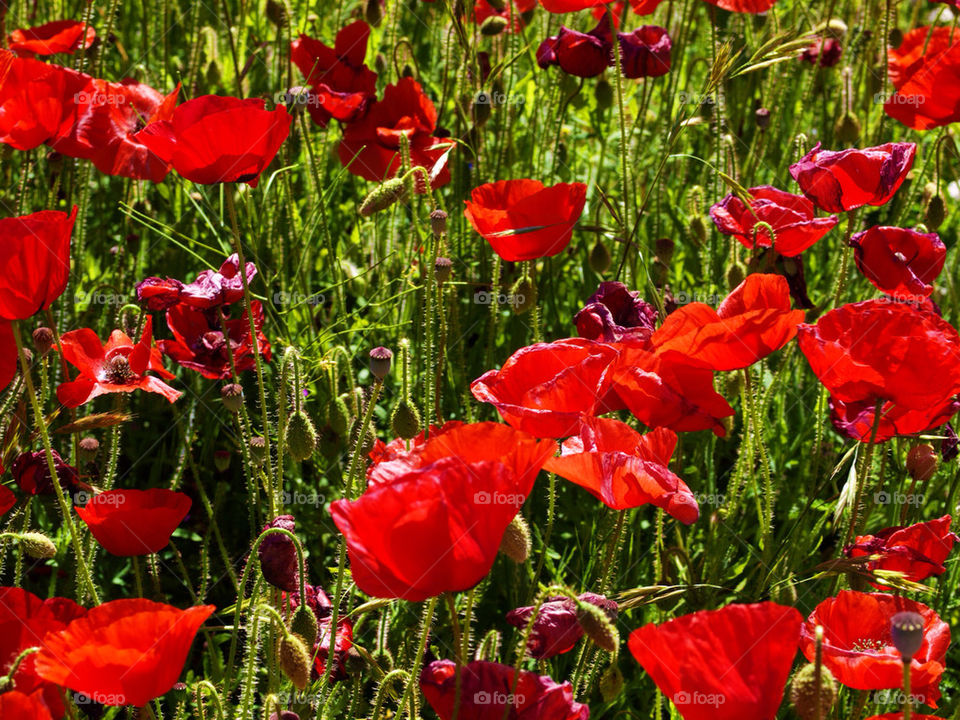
118	371
868	645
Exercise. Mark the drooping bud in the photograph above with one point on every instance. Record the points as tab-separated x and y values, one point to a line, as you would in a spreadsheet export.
597	626
493	25
922	462
295	660
232	396
406	420
383	196
698	229
304	624
735	275
380	360
895	37
935	212
516	543
599	257
373	12
847	128
278	555
338	416
37	545
906	631
301	436
43	340
481	108
803	693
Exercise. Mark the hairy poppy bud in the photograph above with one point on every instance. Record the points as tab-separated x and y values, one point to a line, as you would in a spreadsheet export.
906	631
88	447
295	660
515	543
597	626
278	555
599	257
380	360
603	94
258	449
277	13
37	545
735	275
383	196
338	416
43	340
698	229
611	683
442	269
438	222
301	436
232	396
895	37
373	12
935	212
922	462
493	25
380	63
304	624
847	128
524	294
406	420
803	693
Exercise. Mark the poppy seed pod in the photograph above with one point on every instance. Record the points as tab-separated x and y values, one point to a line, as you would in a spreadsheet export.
438	222
922	462
442	269
380	361
285	715
301	436
258	449
762	116
88	448
278	555
906	631
294	660
232	396
803	693
516	543
43	340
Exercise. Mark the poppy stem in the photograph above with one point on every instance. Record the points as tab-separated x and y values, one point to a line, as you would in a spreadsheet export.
845	260
863	474
621	119
418	658
907	704
361	435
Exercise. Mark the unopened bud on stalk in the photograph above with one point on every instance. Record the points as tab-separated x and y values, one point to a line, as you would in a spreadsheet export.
922	462
373	12
515	543
599	257
803	693
381	359
481	108
338	417
493	25
232	396
383	196
603	94
895	37
597	626
304	624
524	293
43	340
611	683
847	128
935	212
301	436
406	420
698	229
37	545
295	660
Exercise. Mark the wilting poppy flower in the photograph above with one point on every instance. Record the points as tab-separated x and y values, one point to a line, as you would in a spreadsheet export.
341	85
614	314
557	629
917	551
584	55
825	52
134	522
278	555
60	36
522	219
199	343
321	648
119	365
7	499
371	145
645	52
625	469
213	139
36	101
791	216
859	652
856	419
754	320
544	388
726	664
898	261
487	689
124	652
33	476
925	70
431	521
159	294
843	180
15	705
34	261
218	287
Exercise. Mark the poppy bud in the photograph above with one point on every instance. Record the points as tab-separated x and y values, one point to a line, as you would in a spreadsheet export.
599	257
922	462
301	436
611	683
380	63
762	116
221	460
438	222
338	416
597	626
232	396
698	229
895	37
43	340
258	449
847	128
735	275
493	25
406	420
515	543
658	272
277	13
442	269
481	108
383	196
935	212
304	623
88	447
295	660
372	12
524	294
380	361
278	555
498	5
906	631
37	545
835	28
803	693
408	71
603	94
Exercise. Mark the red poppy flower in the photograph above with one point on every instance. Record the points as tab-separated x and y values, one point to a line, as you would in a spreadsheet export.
35	259
199	343
513	12
15	705
432	521
899	262
9	358
614	314
557	628
644	7
60	36
218	287
856	420
7	499
371	145
341	85
158	294
134	522
791	216
753	321
825	52
487	689
917	551
645	52
925	70
544	388
584	55
744	6
33	476
36	100
321	648
124	652
522	219
213	139
565	6
859	652
843	180
625	469
724	664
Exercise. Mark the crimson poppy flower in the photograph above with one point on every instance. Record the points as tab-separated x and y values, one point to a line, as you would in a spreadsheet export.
791	216
859	652
341	85
214	139
159	294
9	357
124	652
277	553
513	12
15	705
35	261
726	664
753	321
584	55
899	262
544	388
855	420
645	52
432	521
32	475
199	343
119	365
614	314
60	36
625	469
843	180
370	147
321	648
488	689
36	100
925	70
825	52
317	600
134	522
917	551
7	499
557	629
522	219
218	287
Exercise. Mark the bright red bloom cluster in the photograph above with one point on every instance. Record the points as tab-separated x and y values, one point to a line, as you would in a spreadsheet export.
918	551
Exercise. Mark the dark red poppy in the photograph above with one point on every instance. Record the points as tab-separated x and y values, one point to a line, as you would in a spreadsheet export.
645	52
584	55
159	294
124	652
512	12
565	6
925	70
33	476
35	257
371	145
856	420
616	9
825	52
7	500
431	521
557	628
522	219
859	652
644	7
118	365
134	522
744	6
36	101
321	648
726	664
917	551
625	469
899	262
213	139
9	358
791	216
278	555
843	180
614	314
15	705
218	287
487	689
341	84
199	343
544	388
753	321
60	36
317	600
